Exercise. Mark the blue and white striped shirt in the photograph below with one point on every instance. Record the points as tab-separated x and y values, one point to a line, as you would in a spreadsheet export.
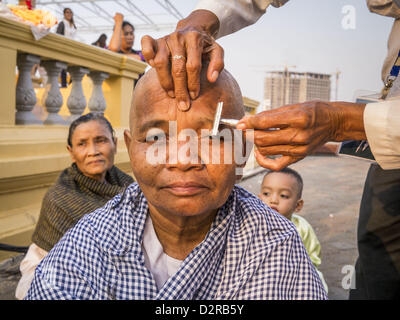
250	252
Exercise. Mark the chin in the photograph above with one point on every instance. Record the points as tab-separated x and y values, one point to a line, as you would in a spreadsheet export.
186	208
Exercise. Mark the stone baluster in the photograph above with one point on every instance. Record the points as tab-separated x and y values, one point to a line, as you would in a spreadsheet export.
54	99
76	101
25	95
97	102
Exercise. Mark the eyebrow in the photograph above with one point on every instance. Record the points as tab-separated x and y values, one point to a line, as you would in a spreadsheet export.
152	124
281	189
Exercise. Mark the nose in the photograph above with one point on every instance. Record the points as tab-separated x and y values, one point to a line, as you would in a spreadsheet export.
183	156
92	149
274	198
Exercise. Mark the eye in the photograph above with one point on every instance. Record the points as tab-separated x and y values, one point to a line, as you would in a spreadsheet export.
284	196
266	194
155	136
101	140
217	137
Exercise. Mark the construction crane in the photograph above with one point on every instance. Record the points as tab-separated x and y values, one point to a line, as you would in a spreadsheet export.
337	73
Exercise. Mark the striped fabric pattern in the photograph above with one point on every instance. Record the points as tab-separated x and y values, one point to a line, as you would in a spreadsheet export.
71	197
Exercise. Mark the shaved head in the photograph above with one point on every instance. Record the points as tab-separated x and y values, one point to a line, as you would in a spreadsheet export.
148	94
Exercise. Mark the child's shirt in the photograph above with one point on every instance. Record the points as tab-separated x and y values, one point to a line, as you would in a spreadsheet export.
310	241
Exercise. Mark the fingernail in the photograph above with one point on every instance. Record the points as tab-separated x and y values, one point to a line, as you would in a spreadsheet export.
193	95
183	105
241	126
214	76
151	62
171	93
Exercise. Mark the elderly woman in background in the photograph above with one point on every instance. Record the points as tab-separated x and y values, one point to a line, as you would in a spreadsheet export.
86	185
123	38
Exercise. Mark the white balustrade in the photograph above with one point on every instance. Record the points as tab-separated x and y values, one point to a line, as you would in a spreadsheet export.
54	99
25	95
76	101
97	103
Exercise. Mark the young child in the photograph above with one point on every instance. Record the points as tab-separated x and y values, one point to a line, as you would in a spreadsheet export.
282	191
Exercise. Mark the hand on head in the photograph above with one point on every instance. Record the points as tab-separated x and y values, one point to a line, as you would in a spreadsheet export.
178	57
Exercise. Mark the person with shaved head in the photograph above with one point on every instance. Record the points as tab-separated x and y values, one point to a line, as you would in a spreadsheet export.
184	230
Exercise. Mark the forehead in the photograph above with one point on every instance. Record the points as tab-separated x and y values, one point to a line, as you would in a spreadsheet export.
128	28
155	104
91	128
280	180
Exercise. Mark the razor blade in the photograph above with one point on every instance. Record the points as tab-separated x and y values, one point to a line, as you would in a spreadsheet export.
218	120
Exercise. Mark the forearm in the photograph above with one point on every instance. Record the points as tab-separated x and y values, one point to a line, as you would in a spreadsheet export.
350	121
235	15
115	42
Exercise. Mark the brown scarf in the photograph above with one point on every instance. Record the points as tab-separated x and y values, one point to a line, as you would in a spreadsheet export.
70	198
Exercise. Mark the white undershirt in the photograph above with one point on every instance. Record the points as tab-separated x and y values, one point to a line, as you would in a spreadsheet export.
161	266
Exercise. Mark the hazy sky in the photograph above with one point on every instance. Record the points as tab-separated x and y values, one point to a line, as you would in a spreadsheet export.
308	34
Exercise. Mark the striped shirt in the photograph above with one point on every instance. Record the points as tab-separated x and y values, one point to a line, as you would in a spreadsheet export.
250	252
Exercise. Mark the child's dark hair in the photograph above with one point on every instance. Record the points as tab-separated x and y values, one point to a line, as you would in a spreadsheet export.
86	118
294	174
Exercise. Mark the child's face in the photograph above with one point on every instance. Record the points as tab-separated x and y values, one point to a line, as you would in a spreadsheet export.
280	192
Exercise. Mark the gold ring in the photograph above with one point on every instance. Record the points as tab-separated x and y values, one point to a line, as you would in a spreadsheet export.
178	56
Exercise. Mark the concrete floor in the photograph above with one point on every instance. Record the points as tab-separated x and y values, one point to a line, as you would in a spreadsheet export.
332	193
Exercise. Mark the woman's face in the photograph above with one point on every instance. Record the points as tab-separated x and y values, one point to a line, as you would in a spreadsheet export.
128	37
93	149
68	15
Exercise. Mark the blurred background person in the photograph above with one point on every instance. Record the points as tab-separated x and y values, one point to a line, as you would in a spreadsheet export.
68	29
101	41
123	38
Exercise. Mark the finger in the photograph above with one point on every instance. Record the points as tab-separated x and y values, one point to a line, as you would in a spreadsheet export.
286	136
264	120
178	71
216	65
194	49
277	163
149	49
162	65
287	116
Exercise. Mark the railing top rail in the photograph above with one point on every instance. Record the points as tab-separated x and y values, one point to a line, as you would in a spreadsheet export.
53	46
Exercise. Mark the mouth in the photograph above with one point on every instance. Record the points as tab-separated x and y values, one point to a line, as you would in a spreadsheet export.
274	208
183	189
95	162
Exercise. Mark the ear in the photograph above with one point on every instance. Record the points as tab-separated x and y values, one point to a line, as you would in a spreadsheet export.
71	153
115	140
127	139
299	205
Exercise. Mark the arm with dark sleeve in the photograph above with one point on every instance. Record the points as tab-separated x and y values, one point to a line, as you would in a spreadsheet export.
60	28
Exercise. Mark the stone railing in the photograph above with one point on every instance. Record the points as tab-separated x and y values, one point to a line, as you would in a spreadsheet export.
54	52
32	144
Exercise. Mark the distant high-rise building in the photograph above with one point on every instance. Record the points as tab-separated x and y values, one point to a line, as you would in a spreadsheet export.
288	87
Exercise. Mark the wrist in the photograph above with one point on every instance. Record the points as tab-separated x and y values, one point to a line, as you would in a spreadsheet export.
203	20
350	121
